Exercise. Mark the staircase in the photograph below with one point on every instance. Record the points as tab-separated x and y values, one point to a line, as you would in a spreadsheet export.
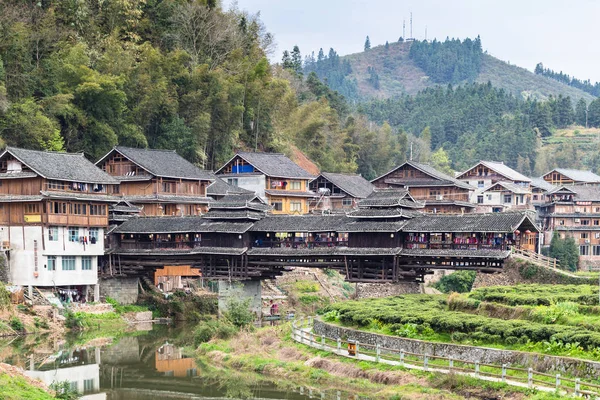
540	260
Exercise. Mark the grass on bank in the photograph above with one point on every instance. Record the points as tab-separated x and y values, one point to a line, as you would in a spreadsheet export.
270	353
18	388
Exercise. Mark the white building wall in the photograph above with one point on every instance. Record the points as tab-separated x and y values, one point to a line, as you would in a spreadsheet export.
255	183
29	250
71	374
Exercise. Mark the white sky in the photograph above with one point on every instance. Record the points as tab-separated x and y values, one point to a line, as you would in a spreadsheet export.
523	32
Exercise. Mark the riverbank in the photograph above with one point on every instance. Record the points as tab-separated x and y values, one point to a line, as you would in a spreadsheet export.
270	353
14	385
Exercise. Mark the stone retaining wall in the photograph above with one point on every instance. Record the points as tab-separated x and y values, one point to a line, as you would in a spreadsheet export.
123	290
539	362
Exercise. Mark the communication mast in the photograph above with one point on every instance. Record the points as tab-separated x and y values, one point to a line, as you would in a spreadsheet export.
403	29
425	32
411	35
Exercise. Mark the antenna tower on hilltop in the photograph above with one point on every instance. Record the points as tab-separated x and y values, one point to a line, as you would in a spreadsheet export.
411	24
425	32
403	29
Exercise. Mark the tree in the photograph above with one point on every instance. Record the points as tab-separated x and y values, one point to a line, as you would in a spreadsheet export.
565	251
440	161
286	60
387	45
594	113
401	39
580	112
367	44
296	59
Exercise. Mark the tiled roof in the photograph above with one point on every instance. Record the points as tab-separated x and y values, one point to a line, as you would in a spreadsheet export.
495	222
221	188
395	212
483	253
501	169
234	214
290	193
239	205
517	189
273	164
429	170
18	175
586	193
542	184
9	198
180	225
300	223
163	198
577	175
354	185
81	196
390	197
71	167
449	202
373	226
163	163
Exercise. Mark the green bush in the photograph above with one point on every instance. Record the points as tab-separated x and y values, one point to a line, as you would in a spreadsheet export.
16	324
74	321
511	340
238	313
527	270
213	329
459	281
306	286
40	323
64	391
4	297
459	337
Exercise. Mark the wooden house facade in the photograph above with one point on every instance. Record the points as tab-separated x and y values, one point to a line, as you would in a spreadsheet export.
439	192
574	211
159	182
338	192
53	214
564	176
272	176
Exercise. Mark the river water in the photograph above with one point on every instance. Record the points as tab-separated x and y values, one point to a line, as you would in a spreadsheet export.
147	365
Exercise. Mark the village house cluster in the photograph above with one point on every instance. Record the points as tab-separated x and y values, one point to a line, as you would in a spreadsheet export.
65	222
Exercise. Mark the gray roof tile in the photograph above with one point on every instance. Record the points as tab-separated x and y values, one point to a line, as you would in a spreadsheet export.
504	222
300	223
578	175
71	167
441	177
162	163
501	169
354	185
273	164
193	224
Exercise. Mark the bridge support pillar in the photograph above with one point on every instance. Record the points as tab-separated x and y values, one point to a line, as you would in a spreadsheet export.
241	291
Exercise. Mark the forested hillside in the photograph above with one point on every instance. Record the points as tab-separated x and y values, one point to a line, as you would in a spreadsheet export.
586	86
394	69
176	74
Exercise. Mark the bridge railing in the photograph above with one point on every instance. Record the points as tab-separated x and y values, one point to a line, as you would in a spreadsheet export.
536	258
298	244
515	376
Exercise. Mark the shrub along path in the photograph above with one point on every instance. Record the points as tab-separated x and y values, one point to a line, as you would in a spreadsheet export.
305	336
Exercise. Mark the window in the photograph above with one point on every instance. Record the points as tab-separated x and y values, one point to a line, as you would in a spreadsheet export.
295	185
97	209
68	263
489	197
584	250
596	222
88	385
233	181
507	198
480	199
535	196
168	187
561	222
584	235
346	202
86	263
596	250
73	234
296	206
93	235
78	208
51	263
116	189
56	185
480	184
32	208
53	233
585	222
74	386
277	205
57	207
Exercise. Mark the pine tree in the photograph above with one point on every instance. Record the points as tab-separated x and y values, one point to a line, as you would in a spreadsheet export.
401	39
580	111
286	61
387	45
296	59
367	44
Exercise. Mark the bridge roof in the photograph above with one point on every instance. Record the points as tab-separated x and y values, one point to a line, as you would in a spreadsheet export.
506	222
300	223
148	225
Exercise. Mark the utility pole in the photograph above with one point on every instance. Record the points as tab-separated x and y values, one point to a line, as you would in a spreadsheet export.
256	135
587	108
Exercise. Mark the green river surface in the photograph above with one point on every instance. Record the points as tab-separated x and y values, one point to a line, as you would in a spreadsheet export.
154	364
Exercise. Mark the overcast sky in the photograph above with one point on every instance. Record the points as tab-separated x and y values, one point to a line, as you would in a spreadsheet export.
558	33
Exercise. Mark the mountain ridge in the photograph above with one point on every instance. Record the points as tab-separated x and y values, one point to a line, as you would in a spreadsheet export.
399	75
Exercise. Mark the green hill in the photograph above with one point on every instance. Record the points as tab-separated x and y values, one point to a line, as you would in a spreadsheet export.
398	74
